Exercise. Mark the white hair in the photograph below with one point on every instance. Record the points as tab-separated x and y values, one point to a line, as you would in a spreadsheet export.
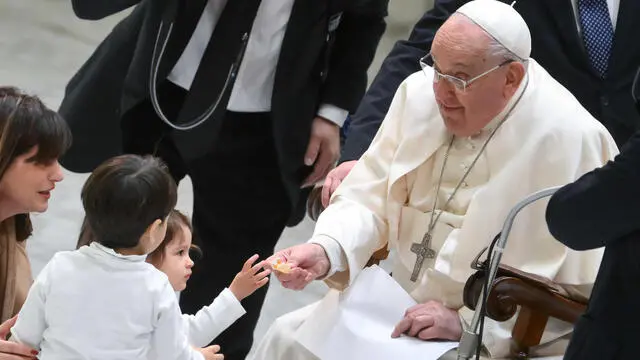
496	50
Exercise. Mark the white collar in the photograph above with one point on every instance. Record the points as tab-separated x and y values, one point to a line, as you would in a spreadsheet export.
99	248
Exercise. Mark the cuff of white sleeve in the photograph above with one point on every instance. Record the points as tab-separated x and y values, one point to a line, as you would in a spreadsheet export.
235	308
337	257
333	113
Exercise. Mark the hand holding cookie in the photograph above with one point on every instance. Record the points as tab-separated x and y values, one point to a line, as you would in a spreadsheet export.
298	265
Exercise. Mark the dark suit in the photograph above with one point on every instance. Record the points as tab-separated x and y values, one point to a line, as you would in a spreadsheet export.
602	208
247	187
556	45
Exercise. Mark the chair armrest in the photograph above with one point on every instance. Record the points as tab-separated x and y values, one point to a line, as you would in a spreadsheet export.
510	290
379	255
537	299
507	293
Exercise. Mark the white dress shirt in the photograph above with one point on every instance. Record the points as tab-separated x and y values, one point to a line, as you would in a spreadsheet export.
96	304
253	88
612	5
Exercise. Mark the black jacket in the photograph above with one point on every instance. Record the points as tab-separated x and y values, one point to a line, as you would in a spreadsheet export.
602	208
314	67
556	45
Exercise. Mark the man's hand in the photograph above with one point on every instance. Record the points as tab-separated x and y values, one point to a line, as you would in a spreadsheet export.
323	149
10	350
307	261
334	178
211	352
430	321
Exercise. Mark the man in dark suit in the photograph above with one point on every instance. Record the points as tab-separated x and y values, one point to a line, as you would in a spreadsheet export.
246	97
589	46
602	208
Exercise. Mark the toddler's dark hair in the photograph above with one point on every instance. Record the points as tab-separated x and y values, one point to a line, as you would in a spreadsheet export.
123	197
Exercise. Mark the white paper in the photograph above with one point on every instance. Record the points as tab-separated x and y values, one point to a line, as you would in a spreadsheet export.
358	323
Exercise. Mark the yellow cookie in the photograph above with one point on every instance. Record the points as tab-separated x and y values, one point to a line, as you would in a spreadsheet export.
281	267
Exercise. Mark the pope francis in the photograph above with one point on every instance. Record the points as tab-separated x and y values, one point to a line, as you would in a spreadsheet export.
480	128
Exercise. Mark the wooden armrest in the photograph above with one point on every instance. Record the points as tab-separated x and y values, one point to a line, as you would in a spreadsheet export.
536	297
507	293
379	255
532	279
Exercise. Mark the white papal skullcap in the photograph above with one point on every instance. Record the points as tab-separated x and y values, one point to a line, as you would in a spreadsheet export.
502	22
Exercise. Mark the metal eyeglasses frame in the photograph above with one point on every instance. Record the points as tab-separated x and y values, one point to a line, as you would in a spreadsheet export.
458	84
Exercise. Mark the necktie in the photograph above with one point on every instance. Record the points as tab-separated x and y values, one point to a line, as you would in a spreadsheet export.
224	50
184	24
597	32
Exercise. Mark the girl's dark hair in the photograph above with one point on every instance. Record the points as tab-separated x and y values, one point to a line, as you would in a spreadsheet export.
175	223
123	197
25	122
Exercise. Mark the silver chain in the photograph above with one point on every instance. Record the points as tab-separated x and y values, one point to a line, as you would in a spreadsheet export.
433	221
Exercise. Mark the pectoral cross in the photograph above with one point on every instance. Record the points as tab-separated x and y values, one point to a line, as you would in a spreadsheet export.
423	251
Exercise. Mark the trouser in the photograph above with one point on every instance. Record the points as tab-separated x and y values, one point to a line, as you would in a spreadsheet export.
240	203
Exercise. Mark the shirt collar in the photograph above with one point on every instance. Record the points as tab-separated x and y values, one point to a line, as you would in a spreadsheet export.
99	248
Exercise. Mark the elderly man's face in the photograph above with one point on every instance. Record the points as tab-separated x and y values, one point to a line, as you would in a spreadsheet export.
460	50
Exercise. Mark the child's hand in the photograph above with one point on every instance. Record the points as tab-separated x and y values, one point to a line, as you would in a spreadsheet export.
249	279
211	352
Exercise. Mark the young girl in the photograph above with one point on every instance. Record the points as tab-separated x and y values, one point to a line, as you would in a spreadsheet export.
172	257
104	301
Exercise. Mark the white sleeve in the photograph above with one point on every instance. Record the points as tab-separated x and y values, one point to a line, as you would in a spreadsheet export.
31	323
211	320
169	340
333	113
357	217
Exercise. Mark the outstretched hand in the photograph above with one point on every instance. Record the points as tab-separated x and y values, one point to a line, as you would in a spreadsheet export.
249	279
305	263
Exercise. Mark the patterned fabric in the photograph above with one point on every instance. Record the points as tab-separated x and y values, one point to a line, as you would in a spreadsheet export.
597	32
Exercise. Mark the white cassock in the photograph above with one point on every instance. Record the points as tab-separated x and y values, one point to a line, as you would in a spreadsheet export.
548	139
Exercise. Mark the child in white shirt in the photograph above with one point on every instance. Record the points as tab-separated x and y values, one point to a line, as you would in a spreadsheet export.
173	258
104	301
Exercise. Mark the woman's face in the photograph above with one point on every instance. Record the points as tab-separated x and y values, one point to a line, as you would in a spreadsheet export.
26	185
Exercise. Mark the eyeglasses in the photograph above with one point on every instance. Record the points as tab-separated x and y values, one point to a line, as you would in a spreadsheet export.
459	84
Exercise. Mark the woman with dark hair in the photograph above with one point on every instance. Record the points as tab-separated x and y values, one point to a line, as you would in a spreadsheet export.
32	138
